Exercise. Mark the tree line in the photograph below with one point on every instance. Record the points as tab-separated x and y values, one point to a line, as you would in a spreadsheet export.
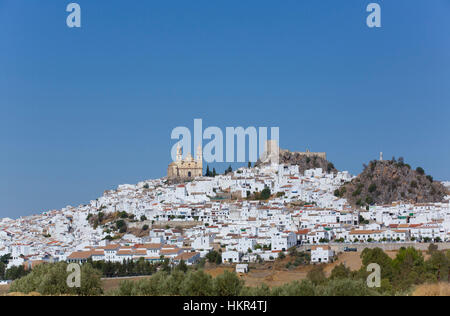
399	276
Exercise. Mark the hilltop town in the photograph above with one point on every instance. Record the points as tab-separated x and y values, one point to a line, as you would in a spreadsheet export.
251	214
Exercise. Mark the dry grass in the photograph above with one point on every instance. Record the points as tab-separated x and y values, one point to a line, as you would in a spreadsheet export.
112	284
4	289
22	294
439	289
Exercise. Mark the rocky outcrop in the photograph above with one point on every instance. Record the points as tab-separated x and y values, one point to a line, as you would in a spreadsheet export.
304	161
384	182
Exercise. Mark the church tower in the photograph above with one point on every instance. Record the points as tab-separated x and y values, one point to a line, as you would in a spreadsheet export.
200	155
179	153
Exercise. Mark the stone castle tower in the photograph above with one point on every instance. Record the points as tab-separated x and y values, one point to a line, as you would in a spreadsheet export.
186	168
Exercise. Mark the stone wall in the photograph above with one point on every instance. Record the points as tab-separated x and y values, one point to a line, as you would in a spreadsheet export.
339	247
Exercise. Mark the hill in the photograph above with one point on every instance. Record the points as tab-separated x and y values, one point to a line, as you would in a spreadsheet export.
384	182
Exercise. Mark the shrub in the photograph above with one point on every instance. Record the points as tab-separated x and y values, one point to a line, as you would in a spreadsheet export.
51	279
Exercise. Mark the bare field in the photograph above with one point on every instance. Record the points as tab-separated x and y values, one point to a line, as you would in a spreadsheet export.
276	274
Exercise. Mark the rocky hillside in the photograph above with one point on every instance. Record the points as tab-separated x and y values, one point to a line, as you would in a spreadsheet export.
384	182
304	163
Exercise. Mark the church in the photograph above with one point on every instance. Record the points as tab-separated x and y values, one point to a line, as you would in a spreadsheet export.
186	168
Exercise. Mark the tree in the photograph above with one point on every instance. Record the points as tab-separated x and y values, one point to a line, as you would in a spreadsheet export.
197	283
249	164
378	256
265	193
2	270
51	279
228	284
15	272
214	257
420	171
345	287
182	266
229	170
120	224
340	272
208	173
143	218
214	172
317	275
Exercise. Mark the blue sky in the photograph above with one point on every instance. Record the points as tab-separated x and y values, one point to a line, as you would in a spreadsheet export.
83	110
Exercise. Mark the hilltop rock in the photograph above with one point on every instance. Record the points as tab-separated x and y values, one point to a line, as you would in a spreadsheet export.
384	182
304	162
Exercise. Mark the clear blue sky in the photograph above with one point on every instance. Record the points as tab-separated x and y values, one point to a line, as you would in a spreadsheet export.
83	110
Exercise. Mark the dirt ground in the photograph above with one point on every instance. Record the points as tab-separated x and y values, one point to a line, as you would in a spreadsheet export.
276	274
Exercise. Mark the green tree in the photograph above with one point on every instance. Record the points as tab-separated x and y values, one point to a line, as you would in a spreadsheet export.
15	272
228	284
208	173
51	279
2	270
197	283
214	257
378	256
317	275
229	170
420	170
265	193
295	288
345	287
340	272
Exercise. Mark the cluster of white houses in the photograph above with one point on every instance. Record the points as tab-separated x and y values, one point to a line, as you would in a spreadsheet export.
221	216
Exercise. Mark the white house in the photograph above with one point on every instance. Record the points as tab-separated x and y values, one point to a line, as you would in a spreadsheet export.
322	253
230	256
283	241
241	268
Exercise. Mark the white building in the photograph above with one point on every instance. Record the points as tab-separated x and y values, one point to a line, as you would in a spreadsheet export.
322	253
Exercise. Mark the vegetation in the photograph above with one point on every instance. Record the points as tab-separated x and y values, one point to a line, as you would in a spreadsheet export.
265	194
214	257
399	276
51	279
228	170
